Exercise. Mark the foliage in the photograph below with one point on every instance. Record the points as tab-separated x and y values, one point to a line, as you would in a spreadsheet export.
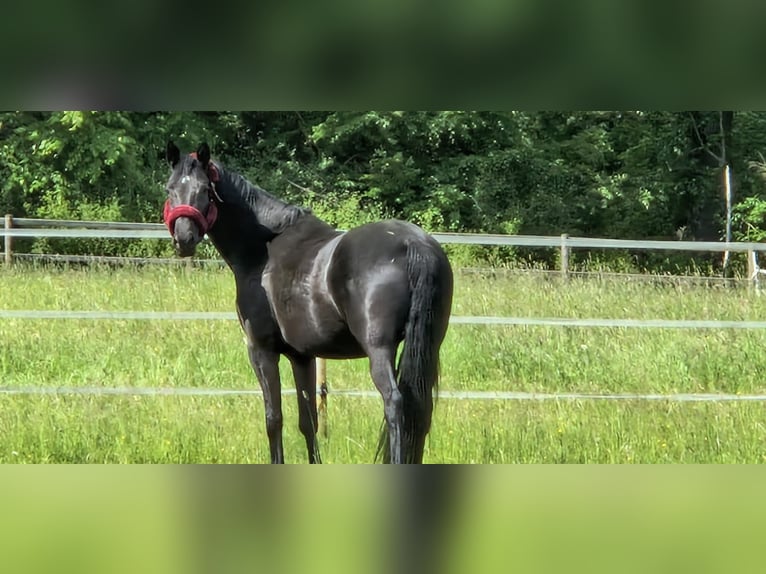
630	174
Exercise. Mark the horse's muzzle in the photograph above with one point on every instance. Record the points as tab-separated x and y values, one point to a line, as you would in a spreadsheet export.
186	236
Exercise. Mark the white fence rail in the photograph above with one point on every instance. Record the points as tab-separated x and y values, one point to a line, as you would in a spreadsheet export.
26	227
55	314
443	394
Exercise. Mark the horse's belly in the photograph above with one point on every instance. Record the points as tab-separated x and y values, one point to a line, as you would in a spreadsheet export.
324	340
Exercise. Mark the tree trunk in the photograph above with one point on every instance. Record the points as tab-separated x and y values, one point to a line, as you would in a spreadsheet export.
711	141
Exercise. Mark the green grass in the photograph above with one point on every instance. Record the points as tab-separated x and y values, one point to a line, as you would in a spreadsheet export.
99	429
211	354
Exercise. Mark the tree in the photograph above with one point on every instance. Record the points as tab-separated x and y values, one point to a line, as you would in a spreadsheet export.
630	174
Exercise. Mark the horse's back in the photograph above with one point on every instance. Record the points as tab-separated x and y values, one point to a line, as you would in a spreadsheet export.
336	294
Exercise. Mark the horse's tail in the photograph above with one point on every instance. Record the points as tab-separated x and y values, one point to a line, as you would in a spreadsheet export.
430	281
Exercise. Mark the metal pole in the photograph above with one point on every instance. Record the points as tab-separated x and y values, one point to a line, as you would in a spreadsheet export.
727	190
8	239
564	255
753	271
322	388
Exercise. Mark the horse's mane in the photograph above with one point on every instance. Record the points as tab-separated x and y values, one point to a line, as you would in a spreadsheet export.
270	211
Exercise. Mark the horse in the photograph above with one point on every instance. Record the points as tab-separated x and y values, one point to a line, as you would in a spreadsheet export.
305	290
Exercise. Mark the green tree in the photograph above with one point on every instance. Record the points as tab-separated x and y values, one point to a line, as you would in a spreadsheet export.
630	174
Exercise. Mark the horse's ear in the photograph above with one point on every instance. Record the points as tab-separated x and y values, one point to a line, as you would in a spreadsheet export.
203	154
172	154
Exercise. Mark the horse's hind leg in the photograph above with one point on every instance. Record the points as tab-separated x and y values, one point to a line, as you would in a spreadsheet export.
382	372
304	372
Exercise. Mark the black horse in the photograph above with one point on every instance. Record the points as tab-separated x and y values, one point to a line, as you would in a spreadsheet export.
306	290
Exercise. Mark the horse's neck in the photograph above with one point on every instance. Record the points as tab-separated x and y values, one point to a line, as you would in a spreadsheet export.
239	249
248	219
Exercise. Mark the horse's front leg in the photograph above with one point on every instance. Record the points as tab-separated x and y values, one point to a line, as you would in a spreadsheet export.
266	367
305	374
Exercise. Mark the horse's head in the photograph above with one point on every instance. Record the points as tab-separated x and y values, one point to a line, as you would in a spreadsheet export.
190	210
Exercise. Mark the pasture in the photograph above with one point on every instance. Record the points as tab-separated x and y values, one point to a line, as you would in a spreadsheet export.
162	355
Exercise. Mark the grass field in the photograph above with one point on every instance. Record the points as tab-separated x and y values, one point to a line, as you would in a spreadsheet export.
211	354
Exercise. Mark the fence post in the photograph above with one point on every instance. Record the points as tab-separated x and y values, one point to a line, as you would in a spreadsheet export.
321	366
8	239
753	273
564	255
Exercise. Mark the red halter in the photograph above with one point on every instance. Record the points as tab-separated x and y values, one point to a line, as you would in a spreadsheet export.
204	223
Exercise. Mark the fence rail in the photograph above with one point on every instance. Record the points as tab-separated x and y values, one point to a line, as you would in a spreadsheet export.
30	223
26	227
443	394
454	320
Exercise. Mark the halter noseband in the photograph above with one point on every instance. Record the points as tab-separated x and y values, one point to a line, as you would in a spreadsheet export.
204	223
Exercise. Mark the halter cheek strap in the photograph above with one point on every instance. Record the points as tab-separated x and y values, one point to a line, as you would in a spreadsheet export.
203	222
